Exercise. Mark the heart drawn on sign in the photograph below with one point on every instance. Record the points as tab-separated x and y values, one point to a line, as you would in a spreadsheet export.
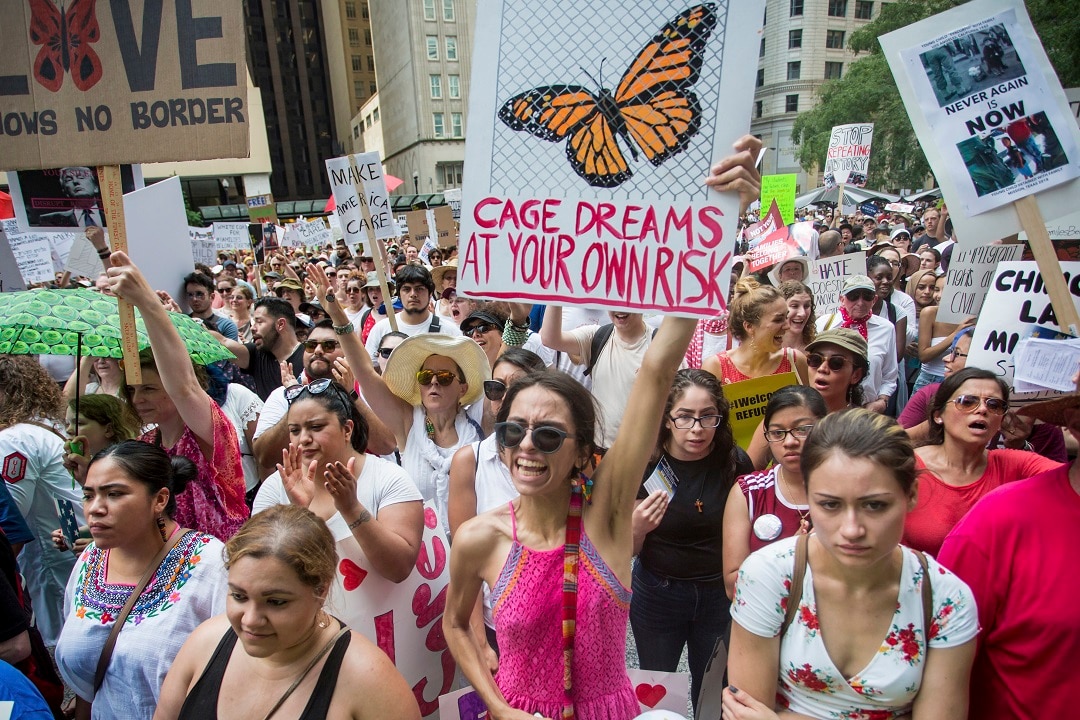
352	574
650	695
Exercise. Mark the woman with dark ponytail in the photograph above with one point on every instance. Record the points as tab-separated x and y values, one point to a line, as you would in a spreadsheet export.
129	499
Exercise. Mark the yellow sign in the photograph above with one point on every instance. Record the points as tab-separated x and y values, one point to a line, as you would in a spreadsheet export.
748	400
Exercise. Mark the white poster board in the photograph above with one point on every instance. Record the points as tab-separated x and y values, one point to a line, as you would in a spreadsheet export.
1016	303
827	278
847	161
203	249
83	259
60	246
229	236
403	619
970	273
33	255
305	233
157	235
962	118
369	175
11	279
560	206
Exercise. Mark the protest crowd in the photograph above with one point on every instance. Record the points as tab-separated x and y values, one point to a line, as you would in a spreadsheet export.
327	484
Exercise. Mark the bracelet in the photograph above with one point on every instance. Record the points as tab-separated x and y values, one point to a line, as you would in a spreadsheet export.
104	253
344	329
364	517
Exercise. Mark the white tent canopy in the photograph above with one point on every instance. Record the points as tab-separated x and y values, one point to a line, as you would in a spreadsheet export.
852	196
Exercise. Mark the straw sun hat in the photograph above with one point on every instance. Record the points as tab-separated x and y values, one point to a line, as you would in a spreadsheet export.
408	358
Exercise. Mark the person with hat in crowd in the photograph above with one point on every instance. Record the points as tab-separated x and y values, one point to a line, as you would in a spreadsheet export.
375	304
199	290
271	279
445	277
857	299
1016	549
292	291
795	268
485	328
415	290
231	270
900	238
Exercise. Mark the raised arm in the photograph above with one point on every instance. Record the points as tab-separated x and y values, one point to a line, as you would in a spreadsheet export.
170	354
552	335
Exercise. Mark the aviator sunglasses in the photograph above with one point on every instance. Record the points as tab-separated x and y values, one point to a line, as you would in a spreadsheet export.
970	403
545	438
443	377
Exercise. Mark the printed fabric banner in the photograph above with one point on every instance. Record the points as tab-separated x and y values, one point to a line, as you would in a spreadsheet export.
847	160
969	277
59	199
748	400
103	83
993	122
586	152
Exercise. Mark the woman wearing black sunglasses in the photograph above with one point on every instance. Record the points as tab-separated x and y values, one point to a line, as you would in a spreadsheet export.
957	469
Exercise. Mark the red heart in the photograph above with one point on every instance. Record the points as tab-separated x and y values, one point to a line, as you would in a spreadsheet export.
650	695
352	573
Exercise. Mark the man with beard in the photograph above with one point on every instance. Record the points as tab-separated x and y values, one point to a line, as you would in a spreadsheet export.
273	331
199	289
321	350
415	288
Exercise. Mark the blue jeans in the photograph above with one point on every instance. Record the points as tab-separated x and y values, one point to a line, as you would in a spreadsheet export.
667	615
925	379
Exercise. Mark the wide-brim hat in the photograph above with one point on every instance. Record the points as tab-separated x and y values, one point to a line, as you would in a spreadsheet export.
1054	412
842	337
438	273
373	281
910	264
408	358
774	274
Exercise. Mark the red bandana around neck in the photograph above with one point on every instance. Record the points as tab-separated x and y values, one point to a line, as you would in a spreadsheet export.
849	322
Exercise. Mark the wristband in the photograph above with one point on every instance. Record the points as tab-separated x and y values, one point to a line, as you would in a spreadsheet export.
104	253
344	329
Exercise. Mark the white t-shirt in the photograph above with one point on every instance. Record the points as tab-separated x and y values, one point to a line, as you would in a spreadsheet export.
382	327
241	407
381	484
808	680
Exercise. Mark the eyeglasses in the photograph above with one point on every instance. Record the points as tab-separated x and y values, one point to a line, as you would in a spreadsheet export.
443	377
545	438
836	363
494	390
956	354
327	345
799	433
861	294
225	290
970	403
317	387
351	290
480	328
385	353
686	422
331	274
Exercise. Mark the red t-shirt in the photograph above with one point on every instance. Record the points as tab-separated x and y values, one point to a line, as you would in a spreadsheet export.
772	516
1018	551
941	506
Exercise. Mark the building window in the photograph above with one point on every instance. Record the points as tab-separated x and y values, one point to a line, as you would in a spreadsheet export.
760	77
367	38
761	50
364	11
453	87
451	48
358	88
439	124
450	174
794	70
357	63
794	39
373	87
757	109
791	103
837	8
796	7
436	86
448	10
864	9
834	39
429	9
432	47
354	36
833	70
375	115
456	128
356	131
371	63
350	10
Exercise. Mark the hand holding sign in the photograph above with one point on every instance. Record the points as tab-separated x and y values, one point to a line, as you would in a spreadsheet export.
739	172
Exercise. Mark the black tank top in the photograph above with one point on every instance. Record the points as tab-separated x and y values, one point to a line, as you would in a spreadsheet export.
202	701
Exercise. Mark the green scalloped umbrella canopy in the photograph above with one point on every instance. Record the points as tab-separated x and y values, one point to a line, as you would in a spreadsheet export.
49	322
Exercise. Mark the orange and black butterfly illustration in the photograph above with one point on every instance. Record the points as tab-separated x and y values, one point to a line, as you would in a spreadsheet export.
65	37
652	108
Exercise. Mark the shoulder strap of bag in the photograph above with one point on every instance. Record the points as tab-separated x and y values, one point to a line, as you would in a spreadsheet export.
599	339
798	574
436	324
927	596
107	651
50	428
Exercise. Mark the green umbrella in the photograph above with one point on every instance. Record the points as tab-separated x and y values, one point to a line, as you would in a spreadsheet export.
83	322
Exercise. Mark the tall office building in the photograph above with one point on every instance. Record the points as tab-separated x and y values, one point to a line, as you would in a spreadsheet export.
804	44
360	52
423	52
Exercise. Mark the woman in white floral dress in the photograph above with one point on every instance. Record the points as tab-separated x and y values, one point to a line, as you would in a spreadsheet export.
858	646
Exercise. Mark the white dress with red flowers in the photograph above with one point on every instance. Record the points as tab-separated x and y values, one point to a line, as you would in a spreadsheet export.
808	681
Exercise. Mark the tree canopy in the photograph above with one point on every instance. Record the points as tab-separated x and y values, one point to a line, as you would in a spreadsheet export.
867	92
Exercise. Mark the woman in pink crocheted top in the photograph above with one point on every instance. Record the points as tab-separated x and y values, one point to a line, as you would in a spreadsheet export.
523	551
189	423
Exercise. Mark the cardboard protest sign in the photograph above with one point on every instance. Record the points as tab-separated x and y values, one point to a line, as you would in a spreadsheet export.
1015	306
33	255
992	121
748	399
418	227
203	249
969	277
827	278
403	619
442	227
10	277
157	235
367	174
781	190
58	199
589	196
788	241
262	209
231	236
95	83
847	161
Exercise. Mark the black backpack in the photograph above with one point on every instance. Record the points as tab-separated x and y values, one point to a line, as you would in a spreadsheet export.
599	342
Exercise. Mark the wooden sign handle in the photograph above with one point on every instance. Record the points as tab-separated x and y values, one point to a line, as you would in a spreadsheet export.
376	247
1031	219
112	197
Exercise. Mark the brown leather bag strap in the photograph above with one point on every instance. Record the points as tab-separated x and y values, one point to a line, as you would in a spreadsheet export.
927	597
798	574
107	651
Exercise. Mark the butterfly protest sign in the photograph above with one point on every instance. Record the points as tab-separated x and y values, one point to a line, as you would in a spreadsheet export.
587	151
103	83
